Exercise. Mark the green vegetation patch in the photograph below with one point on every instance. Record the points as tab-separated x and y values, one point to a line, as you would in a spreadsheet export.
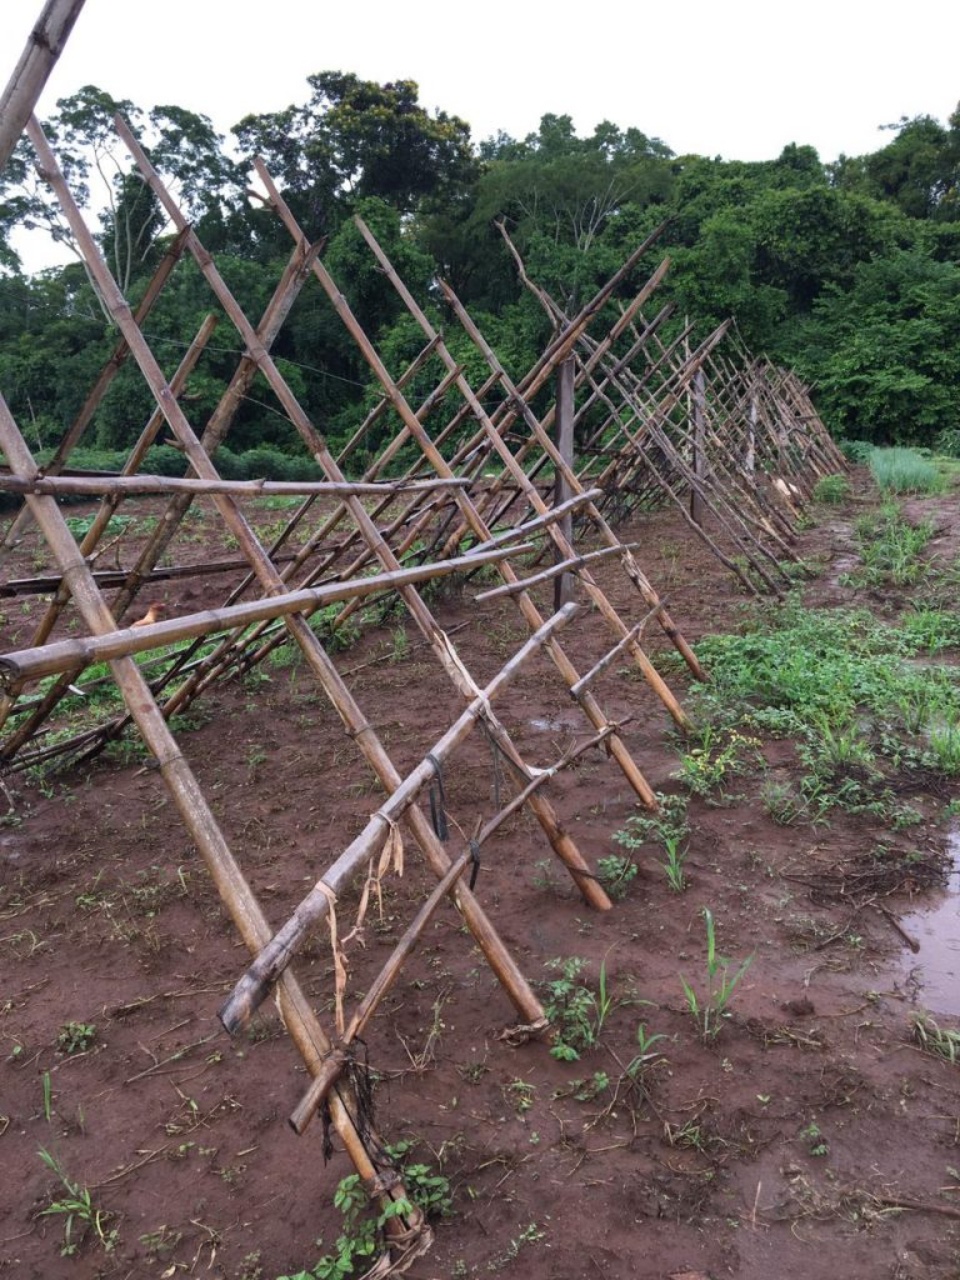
904	471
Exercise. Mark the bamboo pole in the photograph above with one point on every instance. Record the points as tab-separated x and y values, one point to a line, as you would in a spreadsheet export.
44	46
74	655
152	484
254	986
546	575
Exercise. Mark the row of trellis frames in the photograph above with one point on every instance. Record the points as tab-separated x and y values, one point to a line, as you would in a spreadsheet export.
345	548
417	516
734	442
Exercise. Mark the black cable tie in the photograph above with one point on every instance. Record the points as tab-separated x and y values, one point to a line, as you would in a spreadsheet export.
475	859
438	814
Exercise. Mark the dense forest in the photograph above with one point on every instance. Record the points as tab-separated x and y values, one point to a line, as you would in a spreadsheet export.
850	271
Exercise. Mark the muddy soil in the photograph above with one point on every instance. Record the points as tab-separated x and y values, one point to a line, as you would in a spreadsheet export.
810	1137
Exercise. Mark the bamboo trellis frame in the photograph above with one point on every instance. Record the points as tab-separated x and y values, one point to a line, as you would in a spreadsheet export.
378	536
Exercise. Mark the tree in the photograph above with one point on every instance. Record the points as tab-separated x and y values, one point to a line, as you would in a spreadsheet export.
355	139
885	351
919	169
182	145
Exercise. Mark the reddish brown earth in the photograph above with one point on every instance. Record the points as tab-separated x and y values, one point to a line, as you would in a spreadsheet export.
811	1138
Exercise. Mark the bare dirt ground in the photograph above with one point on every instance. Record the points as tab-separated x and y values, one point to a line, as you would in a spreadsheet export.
811	1137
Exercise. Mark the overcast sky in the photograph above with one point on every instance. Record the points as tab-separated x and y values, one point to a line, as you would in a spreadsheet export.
738	79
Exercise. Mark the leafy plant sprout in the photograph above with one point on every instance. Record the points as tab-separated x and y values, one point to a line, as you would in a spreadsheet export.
361	1234
646	1055
710	1008
76	1206
577	1012
616	873
673	863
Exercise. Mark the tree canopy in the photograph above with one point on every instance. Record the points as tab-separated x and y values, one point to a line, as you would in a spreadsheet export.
847	270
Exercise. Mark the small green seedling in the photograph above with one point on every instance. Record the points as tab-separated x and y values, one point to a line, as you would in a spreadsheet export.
76	1037
710	1009
77	1206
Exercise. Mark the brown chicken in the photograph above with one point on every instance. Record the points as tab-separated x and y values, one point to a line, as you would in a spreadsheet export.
154	613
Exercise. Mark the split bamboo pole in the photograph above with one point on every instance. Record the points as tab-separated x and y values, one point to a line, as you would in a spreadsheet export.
254	987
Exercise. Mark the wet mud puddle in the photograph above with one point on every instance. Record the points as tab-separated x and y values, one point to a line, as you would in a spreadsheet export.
935	969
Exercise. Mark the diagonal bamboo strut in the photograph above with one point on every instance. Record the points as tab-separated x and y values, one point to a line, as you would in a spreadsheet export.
254	986
561	842
317	659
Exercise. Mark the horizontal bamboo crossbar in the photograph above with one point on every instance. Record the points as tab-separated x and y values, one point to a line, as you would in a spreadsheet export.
144	483
568	565
33	664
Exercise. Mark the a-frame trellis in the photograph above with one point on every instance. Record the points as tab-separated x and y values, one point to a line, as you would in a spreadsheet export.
733	442
364	545
487	476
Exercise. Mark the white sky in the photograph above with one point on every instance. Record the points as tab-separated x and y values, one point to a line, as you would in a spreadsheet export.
739	79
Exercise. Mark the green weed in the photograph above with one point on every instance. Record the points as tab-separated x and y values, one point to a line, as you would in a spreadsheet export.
361	1235
705	770
76	1037
904	471
577	1013
673	863
710	1007
932	1038
832	489
77	1208
616	873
